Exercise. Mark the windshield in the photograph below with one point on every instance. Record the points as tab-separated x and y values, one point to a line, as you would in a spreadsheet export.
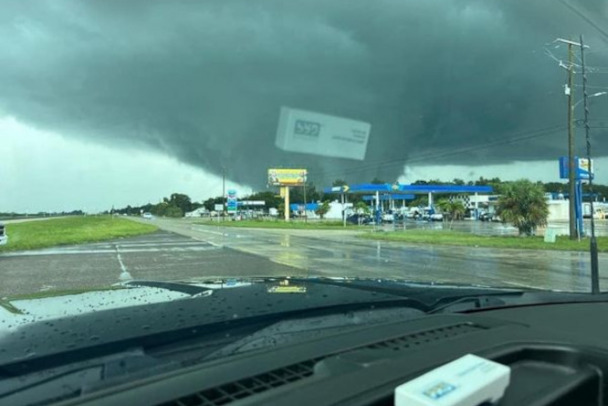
218	145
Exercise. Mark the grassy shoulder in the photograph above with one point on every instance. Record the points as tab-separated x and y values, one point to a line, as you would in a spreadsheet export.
69	231
456	238
292	225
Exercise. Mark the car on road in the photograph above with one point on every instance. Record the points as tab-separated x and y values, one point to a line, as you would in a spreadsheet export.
436	217
3	235
490	217
388	217
147	216
359	218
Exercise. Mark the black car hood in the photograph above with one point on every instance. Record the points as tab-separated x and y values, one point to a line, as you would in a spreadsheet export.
194	308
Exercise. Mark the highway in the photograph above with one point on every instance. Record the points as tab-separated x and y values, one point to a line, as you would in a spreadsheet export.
341	253
183	250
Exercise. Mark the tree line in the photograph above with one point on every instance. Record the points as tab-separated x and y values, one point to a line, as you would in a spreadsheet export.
522	202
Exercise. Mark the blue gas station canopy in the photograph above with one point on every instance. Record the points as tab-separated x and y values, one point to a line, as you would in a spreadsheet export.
415	189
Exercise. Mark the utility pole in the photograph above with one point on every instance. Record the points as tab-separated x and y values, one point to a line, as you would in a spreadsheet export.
595	278
223	192
573	227
571	167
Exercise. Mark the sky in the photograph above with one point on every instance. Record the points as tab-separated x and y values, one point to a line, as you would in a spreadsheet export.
44	171
123	102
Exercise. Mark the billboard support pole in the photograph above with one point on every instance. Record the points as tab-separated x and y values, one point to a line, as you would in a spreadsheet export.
286	202
305	208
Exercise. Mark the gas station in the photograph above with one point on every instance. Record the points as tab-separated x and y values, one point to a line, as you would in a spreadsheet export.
375	194
391	193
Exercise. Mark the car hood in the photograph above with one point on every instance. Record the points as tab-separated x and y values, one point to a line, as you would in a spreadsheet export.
137	311
46	306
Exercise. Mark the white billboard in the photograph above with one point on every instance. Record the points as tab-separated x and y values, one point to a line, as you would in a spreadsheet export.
320	134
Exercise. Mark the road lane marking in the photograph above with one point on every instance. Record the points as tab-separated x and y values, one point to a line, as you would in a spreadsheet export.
124	274
107	251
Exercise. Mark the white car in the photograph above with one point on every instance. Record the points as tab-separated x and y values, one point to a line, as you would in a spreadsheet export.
147	216
3	236
388	217
436	217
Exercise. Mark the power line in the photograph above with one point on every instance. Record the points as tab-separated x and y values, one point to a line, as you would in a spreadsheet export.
592	87
585	17
528	135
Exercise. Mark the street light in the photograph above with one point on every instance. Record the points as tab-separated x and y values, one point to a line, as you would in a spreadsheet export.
589	96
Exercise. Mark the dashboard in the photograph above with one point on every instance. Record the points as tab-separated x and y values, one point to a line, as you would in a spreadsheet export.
558	355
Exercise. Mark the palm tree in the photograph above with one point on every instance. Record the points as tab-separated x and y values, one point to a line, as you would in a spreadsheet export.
523	204
455	209
323	209
361	208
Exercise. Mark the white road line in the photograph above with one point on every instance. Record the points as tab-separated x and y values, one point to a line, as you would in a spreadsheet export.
122	264
153	244
210	247
124	274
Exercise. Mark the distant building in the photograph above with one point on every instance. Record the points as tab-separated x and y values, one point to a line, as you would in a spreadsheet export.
200	212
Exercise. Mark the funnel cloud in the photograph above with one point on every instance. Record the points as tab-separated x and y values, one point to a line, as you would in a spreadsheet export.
440	82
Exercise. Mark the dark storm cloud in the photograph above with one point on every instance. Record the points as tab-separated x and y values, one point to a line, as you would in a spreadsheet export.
204	81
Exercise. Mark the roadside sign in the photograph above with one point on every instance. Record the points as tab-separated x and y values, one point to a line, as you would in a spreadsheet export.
583	169
550	235
252	203
218	207
287	177
232	204
340	189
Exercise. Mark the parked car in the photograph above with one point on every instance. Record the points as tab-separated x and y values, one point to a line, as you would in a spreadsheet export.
489	217
3	236
436	217
359	219
388	217
485	216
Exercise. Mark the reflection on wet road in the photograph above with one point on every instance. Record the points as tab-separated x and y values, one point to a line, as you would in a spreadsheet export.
340	253
194	251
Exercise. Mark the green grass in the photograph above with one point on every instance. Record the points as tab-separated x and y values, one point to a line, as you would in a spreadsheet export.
456	238
70	230
292	225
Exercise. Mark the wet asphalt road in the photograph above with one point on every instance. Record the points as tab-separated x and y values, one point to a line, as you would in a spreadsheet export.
184	251
159	256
